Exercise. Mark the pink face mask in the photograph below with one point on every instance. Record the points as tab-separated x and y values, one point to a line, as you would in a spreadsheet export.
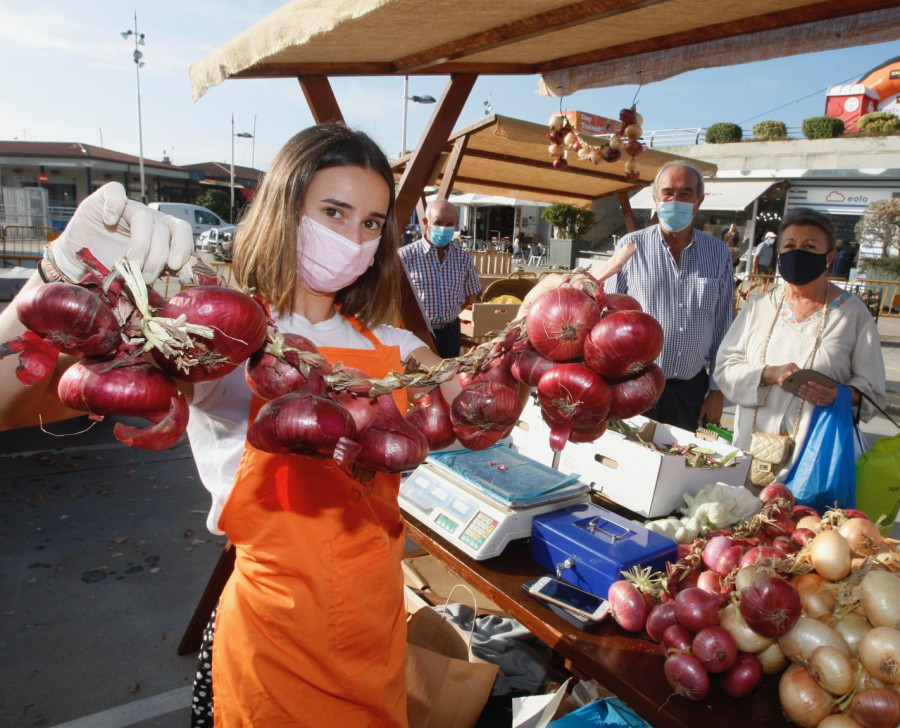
326	260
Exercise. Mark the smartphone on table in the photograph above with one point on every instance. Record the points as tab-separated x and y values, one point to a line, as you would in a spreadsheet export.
577	601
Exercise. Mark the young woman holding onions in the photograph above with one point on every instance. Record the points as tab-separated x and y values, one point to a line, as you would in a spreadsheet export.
310	628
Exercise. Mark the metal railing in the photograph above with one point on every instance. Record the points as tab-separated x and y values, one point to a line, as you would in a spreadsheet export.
882	298
693	136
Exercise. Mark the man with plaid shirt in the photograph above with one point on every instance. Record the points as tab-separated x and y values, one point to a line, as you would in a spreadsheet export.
442	275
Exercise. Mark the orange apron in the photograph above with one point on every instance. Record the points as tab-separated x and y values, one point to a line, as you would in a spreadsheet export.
311	626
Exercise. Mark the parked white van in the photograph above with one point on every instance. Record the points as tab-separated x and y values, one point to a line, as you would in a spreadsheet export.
200	218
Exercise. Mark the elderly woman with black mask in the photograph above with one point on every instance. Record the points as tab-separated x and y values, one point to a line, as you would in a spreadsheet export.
806	323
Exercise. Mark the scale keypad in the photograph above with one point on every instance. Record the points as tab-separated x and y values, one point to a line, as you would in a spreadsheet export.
478	530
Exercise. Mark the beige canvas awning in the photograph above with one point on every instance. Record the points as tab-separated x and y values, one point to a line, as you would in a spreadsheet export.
719	196
573	44
508	157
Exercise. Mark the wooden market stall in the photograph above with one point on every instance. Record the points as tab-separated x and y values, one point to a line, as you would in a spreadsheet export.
570	46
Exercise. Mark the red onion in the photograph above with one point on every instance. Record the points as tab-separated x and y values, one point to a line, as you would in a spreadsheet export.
305	424
637	394
729	560
71	317
623	344
781	523
770	605
686	676
135	389
496	370
283	366
777	490
621	302
677	637
759	554
239	326
388	443
743	676
571	395
710	581
588	435
483	413
660	618
431	415
799	512
559	321
715	648
529	366
696	608
629	606
802	536
715	545
37	357
362	408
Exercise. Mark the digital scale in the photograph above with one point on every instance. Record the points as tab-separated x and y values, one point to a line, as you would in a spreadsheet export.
480	500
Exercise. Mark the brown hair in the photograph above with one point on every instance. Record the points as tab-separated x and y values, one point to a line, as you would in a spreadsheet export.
265	249
807	216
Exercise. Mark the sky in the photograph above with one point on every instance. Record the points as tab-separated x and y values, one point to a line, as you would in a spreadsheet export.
68	75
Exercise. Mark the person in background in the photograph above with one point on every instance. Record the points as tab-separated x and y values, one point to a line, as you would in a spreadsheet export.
310	629
764	256
682	277
732	239
442	275
807	323
519	249
843	260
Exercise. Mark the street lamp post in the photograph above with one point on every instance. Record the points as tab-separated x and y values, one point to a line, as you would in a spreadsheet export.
243	135
138	64
406	99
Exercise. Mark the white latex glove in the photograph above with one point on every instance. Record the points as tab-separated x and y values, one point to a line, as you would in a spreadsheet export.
110	225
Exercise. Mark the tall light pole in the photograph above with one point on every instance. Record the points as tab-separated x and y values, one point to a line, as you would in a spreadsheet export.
406	99
243	135
138	64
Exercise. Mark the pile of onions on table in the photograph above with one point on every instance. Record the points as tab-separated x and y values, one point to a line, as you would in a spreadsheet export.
811	599
110	319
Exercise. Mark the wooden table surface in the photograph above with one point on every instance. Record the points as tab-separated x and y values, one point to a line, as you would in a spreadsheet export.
630	666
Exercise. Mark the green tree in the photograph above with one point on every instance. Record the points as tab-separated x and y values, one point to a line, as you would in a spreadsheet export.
823	127
573	222
767	131
218	201
882	223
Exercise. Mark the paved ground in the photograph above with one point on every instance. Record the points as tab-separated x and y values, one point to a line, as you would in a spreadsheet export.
103	556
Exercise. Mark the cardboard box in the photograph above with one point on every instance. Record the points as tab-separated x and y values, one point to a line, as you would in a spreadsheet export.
531	435
481	319
645	481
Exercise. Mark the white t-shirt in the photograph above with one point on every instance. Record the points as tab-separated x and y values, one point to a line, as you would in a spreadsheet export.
219	410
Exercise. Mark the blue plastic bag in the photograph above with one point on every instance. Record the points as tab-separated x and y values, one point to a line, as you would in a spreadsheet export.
824	474
604	713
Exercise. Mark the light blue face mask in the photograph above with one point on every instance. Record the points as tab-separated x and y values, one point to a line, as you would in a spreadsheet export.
441	236
675	216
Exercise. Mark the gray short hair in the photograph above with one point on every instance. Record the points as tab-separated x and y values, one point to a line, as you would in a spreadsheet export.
698	173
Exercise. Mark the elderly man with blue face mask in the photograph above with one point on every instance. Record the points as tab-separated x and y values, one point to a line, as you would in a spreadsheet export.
442	275
682	277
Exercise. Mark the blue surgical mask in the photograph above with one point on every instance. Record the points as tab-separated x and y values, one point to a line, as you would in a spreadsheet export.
441	236
675	216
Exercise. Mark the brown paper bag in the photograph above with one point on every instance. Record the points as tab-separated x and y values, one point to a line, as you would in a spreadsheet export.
447	686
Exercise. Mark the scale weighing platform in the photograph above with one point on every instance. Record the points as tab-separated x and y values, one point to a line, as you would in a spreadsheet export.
480	500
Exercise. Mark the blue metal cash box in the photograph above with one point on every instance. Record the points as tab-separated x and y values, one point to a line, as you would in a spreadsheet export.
590	546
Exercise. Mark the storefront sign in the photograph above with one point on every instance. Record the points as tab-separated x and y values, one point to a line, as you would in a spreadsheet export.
838	199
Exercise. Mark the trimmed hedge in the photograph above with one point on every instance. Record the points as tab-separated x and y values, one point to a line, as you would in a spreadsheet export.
823	127
767	131
879	123
723	132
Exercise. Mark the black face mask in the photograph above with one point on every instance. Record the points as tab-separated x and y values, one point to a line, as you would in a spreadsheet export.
799	267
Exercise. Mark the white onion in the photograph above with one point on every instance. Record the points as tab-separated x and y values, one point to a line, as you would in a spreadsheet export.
832	669
803	700
800	640
879	653
747	639
879	594
862	535
839	720
813	523
829	554
852	627
773	659
744	577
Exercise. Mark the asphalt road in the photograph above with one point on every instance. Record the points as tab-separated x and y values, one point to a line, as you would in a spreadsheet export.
105	553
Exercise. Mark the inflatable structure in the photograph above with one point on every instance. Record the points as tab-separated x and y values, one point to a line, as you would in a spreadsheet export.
877	90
